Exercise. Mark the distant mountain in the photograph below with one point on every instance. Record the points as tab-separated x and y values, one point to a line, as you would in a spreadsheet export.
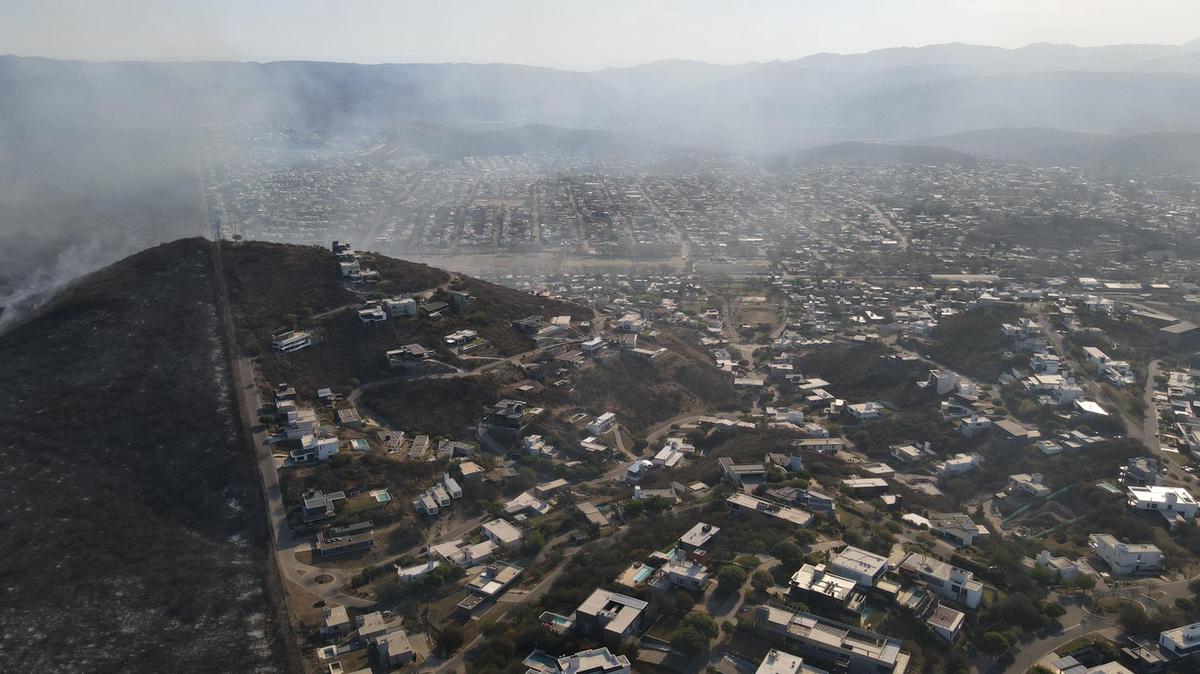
1177	151
1041	56
885	94
879	153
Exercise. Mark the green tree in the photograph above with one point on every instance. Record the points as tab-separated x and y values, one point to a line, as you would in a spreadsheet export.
993	643
731	578
761	580
789	553
689	642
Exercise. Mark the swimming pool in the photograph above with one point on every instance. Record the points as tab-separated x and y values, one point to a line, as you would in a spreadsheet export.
381	495
642	574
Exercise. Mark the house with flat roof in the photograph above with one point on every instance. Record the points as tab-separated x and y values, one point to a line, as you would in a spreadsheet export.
1181	641
957	528
685	573
698	537
742	474
781	662
1027	484
1124	559
949	581
344	539
742	502
609	615
817	586
861	566
592	661
830	643
1175	503
502	534
494	579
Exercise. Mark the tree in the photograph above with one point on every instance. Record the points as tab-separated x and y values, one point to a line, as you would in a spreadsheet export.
993	643
702	623
449	640
789	553
689	642
731	578
1055	611
761	580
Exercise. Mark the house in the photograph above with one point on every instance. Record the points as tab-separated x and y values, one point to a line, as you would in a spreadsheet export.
494	579
905	453
956	465
470	471
942	381
865	486
816	586
780	662
347	538
464	554
974	425
1124	559
394	649
371	315
1095	356
685	573
593	661
742	502
861	566
950	582
1060	567
336	622
1181	641
1142	471
822	445
850	649
609	616
1175	503
502	534
741	474
551	488
526	501
463	301
397	308
370	625
864	412
815	501
698	537
316	505
1010	434
956	528
1028	485
408	355
945	622
602	424
289	341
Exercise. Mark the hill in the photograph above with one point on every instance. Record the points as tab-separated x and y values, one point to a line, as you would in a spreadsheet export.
878	153
1176	152
130	507
274	286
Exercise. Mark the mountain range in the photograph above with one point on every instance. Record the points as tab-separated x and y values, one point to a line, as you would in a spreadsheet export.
887	94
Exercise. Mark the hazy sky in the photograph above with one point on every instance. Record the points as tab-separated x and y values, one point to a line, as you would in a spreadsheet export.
576	34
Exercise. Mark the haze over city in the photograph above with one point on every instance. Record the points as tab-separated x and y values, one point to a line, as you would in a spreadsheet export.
610	337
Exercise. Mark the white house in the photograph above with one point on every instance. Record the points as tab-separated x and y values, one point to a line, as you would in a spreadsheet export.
602	424
1124	559
957	465
502	534
949	581
1173	502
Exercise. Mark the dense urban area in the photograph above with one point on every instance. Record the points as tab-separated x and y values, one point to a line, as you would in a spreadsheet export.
704	413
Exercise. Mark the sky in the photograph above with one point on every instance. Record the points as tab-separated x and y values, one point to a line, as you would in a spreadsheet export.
569	34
